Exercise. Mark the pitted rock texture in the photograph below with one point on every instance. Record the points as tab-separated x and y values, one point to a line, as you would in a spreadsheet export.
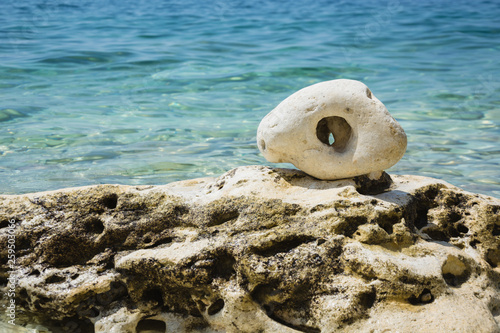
256	250
332	130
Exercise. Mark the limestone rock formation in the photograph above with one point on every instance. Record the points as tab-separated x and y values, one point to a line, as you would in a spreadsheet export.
255	250
332	130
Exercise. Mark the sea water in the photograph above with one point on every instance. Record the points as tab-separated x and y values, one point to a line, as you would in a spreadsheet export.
151	91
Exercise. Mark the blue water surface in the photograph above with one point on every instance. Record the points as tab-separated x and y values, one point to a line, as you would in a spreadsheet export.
149	92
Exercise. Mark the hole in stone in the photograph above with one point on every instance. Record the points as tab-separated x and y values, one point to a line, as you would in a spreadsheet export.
421	219
224	266
92	312
453	232
450	279
424	298
493	257
496	230
162	240
23	242
35	272
55	279
462	228
350	225
454	271
195	313
155	295
24	298
335	132
117	290
321	241
201	306
75	324
454	217
198	326
37	305
221	217
110	201
297	327
44	299
180	210
368	299
3	280
215	307
4	224
94	225
387	220
284	245
151	326
474	243
437	235
269	309
264	294
386	226
262	144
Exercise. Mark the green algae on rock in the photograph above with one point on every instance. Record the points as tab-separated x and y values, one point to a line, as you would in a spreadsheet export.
256	250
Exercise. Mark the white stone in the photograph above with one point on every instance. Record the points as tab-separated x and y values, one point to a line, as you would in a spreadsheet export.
367	139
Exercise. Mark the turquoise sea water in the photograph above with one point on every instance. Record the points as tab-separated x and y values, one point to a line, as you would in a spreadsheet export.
149	92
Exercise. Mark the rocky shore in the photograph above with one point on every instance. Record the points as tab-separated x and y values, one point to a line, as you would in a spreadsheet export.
255	250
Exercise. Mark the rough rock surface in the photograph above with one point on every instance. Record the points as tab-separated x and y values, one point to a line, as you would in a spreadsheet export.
257	250
332	130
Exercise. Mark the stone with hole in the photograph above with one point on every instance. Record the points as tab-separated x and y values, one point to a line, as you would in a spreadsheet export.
332	130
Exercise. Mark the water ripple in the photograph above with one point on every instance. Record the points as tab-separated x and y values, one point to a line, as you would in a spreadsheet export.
147	92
